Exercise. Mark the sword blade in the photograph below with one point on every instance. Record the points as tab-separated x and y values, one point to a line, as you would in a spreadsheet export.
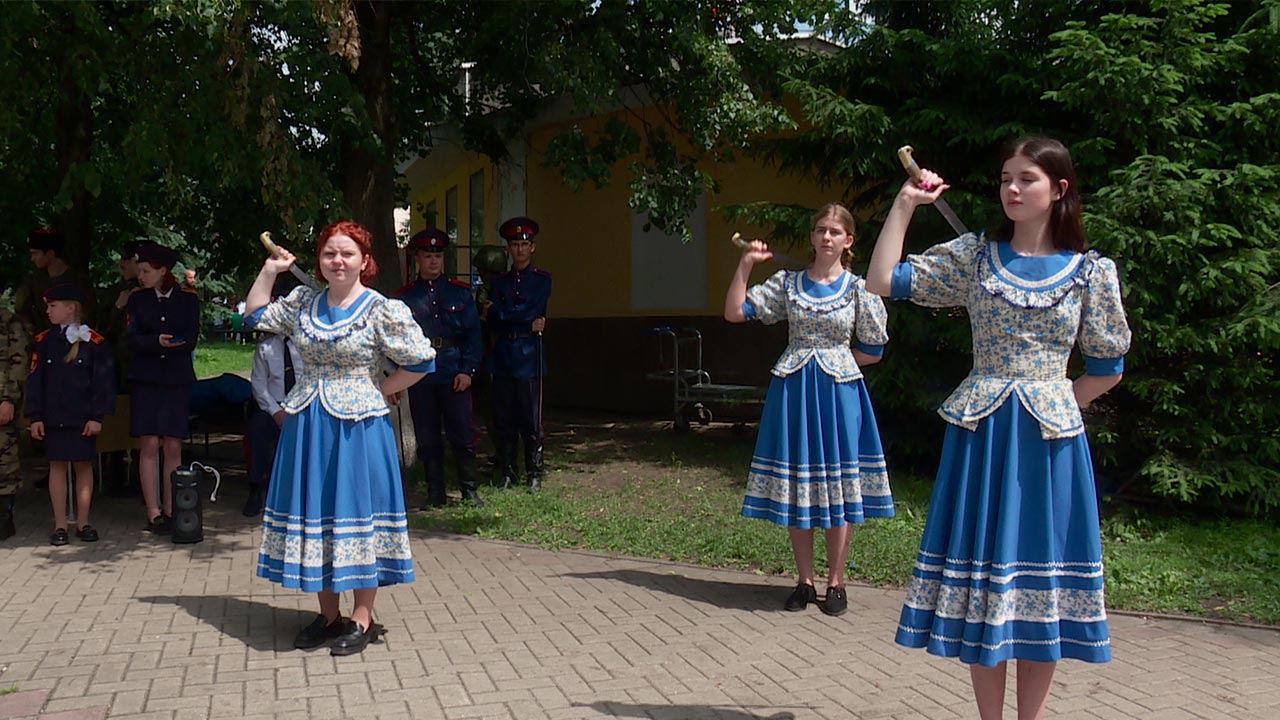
950	216
304	278
909	164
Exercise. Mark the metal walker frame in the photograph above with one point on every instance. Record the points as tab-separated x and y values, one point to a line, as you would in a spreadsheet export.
680	365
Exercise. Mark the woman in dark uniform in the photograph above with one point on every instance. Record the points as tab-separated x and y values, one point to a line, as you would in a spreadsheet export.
163	322
71	389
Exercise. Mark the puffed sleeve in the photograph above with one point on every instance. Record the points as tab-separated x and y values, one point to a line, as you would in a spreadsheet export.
940	276
280	316
400	338
871	322
1104	331
767	302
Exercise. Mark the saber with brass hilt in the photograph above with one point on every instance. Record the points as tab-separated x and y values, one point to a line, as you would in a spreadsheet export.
274	251
909	164
778	257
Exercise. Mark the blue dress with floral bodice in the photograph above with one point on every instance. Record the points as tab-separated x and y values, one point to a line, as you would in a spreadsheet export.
1010	564
335	516
818	460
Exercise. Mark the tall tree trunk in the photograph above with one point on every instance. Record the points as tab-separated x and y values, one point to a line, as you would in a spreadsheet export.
73	129
368	166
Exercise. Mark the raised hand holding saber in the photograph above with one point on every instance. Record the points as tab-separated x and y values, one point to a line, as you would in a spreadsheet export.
777	257
909	164
276	252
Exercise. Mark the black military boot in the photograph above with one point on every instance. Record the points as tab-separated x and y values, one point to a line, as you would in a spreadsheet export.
507	460
435	483
7	529
467	481
533	464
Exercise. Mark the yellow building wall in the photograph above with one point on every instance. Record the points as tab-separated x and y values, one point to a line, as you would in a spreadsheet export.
422	193
585	236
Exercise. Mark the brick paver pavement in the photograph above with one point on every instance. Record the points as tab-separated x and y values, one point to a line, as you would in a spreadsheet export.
136	628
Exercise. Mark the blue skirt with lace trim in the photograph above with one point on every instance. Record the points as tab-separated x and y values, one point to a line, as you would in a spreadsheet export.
1010	565
818	461
335	516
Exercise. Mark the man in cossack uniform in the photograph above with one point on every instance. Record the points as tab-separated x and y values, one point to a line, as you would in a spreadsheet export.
517	316
46	248
446	311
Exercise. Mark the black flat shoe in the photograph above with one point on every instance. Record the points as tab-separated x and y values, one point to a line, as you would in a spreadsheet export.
837	601
801	597
472	497
59	537
356	638
160	525
87	534
319	632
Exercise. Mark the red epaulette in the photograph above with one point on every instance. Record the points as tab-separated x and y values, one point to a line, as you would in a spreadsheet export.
539	271
40	336
95	337
35	361
460	283
405	289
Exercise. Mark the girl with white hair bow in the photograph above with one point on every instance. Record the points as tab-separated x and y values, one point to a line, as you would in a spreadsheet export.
70	391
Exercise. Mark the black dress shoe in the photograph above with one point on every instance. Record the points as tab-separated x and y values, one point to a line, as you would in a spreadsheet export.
801	597
319	632
87	534
837	601
472	497
355	639
59	537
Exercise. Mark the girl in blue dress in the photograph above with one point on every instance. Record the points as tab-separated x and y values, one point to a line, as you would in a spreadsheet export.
818	462
335	517
1010	565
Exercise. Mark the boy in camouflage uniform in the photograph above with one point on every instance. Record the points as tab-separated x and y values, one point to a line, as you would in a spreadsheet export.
13	376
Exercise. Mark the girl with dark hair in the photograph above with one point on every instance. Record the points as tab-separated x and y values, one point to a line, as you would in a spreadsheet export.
335	516
1010	565
162	325
818	462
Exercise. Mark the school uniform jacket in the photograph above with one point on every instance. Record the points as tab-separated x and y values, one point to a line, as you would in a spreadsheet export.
65	394
151	315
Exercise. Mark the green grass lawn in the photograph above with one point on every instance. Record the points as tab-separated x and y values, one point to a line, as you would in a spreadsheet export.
216	358
637	489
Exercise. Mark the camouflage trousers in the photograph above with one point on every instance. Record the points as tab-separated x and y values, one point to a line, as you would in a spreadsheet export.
10	468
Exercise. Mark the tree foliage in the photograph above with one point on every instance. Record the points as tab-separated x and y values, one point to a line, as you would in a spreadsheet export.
1170	109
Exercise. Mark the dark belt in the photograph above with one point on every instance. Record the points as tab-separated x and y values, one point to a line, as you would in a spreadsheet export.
442	342
518	335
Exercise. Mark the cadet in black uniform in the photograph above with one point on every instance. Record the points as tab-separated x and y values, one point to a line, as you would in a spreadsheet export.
111	323
163	322
446	311
70	391
517	315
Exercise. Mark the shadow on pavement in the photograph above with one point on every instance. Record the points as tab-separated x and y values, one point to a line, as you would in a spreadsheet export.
682	712
737	596
260	626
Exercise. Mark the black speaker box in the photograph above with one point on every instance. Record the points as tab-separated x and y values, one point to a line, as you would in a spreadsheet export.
188	517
